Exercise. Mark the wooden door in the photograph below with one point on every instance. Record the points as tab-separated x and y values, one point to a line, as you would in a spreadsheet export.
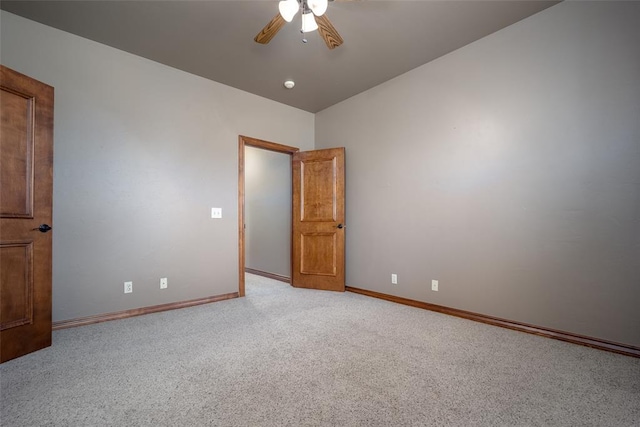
318	220
26	164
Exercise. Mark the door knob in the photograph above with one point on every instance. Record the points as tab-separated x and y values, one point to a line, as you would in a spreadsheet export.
43	228
340	226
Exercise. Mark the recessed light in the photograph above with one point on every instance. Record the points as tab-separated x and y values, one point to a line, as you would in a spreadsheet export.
289	84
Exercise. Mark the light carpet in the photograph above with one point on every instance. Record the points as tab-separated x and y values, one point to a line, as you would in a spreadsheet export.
293	357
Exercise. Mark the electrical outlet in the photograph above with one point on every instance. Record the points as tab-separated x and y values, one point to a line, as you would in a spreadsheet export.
128	287
434	285
394	279
163	283
216	212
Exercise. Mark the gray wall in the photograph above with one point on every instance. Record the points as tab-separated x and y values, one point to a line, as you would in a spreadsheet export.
509	170
142	152
268	211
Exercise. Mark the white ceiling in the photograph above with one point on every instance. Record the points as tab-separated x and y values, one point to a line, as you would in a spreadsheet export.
214	39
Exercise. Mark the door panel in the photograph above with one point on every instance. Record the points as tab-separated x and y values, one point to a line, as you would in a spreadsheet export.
318	218
26	172
16	262
318	190
16	162
318	253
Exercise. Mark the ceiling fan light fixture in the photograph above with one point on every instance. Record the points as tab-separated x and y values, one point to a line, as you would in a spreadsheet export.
288	9
312	20
309	23
318	7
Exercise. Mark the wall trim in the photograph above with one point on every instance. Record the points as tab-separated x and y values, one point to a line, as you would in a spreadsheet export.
627	350
99	318
268	275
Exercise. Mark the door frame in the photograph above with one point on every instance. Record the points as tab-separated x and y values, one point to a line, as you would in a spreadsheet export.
244	141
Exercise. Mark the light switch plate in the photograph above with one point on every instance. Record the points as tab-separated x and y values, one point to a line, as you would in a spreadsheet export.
216	212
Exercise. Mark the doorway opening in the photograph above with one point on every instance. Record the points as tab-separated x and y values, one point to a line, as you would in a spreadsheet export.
243	143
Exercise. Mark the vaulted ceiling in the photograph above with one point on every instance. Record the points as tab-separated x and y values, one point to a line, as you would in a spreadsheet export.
214	39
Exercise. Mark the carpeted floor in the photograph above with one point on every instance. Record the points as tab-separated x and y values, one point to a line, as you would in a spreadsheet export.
290	357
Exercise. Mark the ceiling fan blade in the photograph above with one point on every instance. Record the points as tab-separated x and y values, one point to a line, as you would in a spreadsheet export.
328	32
270	30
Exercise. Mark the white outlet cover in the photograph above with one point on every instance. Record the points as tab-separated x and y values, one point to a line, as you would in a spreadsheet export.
394	279
128	287
434	285
163	283
216	212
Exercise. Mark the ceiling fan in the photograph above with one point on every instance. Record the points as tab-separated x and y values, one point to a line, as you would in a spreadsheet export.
313	18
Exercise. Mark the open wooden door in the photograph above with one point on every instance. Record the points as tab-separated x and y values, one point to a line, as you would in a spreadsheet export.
26	177
318	220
